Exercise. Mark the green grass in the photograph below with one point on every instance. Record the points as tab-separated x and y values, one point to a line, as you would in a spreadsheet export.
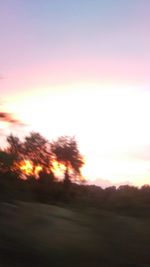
33	234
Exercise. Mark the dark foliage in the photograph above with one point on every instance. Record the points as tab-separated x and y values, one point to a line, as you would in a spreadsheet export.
82	225
46	188
66	151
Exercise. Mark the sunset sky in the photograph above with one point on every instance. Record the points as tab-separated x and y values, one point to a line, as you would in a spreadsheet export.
81	67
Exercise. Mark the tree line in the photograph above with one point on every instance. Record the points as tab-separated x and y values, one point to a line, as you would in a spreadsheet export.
37	150
43	186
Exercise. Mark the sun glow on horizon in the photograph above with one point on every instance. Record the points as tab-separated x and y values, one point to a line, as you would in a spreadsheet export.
116	171
58	169
26	167
109	122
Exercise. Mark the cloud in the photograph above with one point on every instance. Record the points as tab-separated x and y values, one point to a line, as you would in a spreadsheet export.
107	183
8	117
102	182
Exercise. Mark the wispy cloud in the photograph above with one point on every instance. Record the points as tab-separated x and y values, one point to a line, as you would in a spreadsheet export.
8	117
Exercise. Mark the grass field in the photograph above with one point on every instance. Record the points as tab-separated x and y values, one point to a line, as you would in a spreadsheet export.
33	234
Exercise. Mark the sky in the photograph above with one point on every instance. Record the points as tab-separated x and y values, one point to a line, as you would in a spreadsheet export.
81	68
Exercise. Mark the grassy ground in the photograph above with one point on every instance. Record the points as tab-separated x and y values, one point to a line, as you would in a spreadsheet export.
44	235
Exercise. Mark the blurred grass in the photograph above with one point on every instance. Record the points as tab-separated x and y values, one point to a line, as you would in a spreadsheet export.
33	234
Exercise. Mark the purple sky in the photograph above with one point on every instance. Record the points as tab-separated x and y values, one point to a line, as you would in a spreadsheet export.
46	42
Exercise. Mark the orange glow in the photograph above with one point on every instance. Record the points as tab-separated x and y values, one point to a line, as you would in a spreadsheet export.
58	169
37	170
117	131
26	167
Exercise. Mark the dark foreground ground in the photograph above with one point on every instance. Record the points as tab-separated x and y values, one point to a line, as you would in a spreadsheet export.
45	235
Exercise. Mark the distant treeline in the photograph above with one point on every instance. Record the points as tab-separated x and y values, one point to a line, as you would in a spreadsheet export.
126	199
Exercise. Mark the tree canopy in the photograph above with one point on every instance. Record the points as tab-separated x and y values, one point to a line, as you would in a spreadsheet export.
66	152
39	152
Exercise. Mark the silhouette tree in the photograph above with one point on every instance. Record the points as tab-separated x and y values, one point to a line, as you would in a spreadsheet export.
66	152
37	150
15	149
15	146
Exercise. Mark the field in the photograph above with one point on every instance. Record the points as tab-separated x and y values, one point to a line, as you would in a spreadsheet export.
33	234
